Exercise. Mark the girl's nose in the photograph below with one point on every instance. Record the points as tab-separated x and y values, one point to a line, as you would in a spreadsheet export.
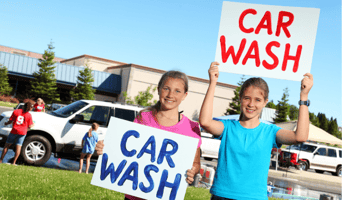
251	103
170	93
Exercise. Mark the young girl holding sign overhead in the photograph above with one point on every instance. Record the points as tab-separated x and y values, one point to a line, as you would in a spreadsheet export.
172	90
244	154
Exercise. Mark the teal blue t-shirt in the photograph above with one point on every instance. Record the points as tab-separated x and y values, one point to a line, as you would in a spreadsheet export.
90	142
243	161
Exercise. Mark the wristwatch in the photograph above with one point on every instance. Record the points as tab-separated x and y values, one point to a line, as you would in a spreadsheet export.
307	103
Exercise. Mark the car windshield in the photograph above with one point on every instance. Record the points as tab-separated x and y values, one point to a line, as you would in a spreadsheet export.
69	109
303	147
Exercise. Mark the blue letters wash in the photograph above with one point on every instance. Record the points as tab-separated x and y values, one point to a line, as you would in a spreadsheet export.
151	151
113	174
164	183
133	167
124	141
147	170
163	153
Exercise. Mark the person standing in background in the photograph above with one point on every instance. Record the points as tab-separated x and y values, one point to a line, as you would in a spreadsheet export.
39	106
22	120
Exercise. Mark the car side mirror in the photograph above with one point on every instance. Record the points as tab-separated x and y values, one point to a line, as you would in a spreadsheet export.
316	153
77	118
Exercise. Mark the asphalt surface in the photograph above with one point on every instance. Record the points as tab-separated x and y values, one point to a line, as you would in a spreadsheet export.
53	162
3	109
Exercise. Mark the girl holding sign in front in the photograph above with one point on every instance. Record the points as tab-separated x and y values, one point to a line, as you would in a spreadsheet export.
244	154
39	106
172	90
21	119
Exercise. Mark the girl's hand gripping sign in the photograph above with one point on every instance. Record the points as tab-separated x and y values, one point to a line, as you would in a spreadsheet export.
267	41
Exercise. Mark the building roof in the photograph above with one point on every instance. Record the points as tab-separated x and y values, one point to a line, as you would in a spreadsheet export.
95	58
163	71
24	66
27	53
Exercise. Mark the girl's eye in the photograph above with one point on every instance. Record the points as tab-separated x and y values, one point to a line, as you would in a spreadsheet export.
178	91
165	88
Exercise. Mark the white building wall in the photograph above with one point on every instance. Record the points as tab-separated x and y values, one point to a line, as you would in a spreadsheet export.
75	62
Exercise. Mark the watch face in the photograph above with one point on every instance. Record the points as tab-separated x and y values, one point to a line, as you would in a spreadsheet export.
307	103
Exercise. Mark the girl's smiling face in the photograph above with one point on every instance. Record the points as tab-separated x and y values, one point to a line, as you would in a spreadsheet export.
172	93
39	101
252	103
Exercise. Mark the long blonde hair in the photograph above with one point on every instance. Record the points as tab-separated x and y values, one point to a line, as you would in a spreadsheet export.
170	74
41	100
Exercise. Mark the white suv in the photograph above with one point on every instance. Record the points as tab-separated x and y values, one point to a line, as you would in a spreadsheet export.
316	156
210	146
62	130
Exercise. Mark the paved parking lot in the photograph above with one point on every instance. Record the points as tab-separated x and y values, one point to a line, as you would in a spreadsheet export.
54	163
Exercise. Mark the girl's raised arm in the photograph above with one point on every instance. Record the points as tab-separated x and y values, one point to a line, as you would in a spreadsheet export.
302	132
206	114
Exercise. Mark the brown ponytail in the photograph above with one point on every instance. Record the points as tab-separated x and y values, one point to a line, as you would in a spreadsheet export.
27	107
93	127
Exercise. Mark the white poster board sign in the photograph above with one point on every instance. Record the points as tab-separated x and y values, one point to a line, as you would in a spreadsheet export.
268	41
144	162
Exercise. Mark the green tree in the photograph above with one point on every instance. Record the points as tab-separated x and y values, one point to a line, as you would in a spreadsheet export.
271	104
293	112
339	135
5	88
323	121
282	108
234	106
333	127
314	119
44	84
84	89
143	98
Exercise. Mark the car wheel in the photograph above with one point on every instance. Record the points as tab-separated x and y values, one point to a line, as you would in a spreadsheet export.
319	171
338	171
36	150
303	165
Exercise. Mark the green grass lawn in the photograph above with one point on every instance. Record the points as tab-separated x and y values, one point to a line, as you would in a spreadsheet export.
8	104
27	182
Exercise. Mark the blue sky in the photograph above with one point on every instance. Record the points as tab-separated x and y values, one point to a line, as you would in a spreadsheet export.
167	35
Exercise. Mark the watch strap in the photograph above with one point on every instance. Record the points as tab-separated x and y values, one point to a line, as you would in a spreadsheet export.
307	103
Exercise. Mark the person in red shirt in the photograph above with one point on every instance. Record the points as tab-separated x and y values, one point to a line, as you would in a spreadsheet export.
39	106
22	120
